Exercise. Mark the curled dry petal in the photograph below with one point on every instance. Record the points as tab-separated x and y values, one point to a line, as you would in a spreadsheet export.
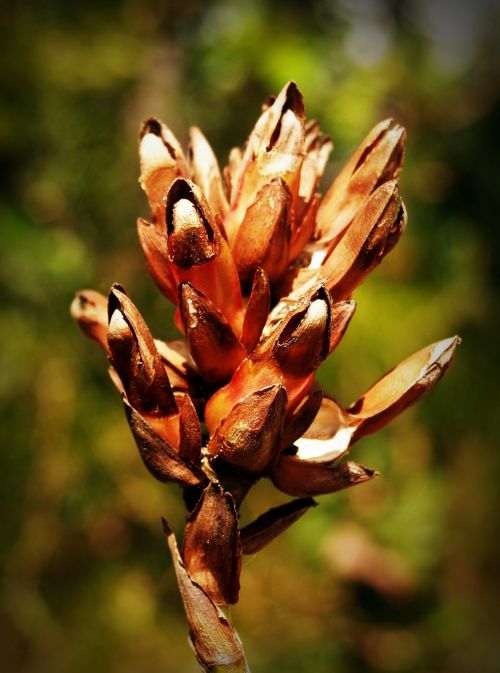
268	526
90	310
205	171
342	312
329	436
212	547
162	160
263	237
402	386
136	359
304	478
154	245
377	160
249	438
370	237
216	644
256	311
212	343
161	459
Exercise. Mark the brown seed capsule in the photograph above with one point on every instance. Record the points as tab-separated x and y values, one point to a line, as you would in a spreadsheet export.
162	160
305	340
377	160
90	310
263	237
257	310
402	386
160	458
198	252
212	342
274	150
216	644
258	534
212	547
249	438
136	359
303	478
205	171
190	229
370	237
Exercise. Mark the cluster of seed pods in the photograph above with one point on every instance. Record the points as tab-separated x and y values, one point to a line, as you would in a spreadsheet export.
262	271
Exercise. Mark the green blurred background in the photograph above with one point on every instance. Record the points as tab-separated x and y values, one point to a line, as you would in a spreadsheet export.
398	575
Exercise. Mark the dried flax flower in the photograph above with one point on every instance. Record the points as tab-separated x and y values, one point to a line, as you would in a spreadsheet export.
262	272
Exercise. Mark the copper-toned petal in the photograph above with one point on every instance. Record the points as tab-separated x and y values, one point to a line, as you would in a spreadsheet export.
161	459
318	149
268	526
329	436
205	171
377	160
303	478
162	160
304	228
305	340
274	150
257	310
135	358
302	418
370	237
216	644
342	312
213	344
90	310
402	386
250	436
191	232
154	245
190	431
263	236
212	547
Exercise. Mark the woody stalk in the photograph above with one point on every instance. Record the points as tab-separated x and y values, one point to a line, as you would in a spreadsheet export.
262	272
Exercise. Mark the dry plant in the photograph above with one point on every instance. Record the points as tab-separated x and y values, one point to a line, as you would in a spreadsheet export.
262	272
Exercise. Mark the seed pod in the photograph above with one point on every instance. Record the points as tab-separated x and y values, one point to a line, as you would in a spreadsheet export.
205	171
136	359
212	547
249	438
217	646
162	160
377	160
373	234
212	343
160	458
401	387
264	235
304	478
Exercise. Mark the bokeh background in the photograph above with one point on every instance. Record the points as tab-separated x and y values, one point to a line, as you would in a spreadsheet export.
398	575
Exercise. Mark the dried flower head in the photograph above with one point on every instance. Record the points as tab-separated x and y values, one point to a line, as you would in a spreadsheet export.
262	272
